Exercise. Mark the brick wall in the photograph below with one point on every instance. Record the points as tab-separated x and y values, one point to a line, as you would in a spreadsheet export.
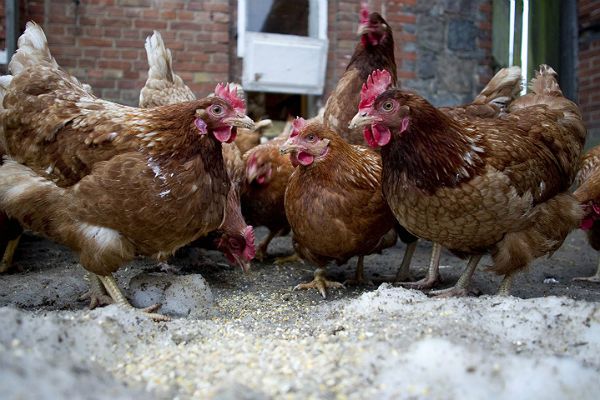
102	41
442	46
589	67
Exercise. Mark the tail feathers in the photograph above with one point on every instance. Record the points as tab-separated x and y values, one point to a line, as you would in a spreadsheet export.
24	194
502	89
32	50
552	221
546	91
159	58
41	206
545	82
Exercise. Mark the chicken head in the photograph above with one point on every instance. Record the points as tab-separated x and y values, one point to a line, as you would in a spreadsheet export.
305	145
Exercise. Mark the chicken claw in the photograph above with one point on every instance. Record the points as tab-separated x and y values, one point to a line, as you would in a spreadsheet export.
320	282
113	290
461	288
594	278
97	294
433	273
427	282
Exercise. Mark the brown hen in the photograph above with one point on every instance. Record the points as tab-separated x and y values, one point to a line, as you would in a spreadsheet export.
588	194
267	174
107	180
334	201
375	50
479	185
234	237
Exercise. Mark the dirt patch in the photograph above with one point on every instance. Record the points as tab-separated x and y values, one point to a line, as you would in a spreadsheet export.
258	339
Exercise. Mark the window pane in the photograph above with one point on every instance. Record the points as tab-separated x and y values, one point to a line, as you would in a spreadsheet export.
278	16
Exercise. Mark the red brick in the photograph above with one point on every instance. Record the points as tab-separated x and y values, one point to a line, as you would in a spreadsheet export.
114	64
120	44
189	26
95	42
149	24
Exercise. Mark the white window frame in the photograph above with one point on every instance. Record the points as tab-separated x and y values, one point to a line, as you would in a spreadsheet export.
315	45
316	20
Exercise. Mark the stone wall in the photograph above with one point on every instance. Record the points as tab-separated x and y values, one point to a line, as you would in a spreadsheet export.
453	49
589	67
443	47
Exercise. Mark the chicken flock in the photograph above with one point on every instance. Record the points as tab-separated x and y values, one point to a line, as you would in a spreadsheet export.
113	182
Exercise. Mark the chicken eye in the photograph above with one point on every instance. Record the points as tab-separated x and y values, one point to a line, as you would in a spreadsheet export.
218	110
387	106
311	138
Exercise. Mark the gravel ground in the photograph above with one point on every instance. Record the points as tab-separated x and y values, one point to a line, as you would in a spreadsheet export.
249	336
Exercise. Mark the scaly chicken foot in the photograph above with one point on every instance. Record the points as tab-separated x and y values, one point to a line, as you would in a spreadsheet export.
359	276
433	272
320	282
461	288
97	295
505	285
9	252
403	272
594	278
113	290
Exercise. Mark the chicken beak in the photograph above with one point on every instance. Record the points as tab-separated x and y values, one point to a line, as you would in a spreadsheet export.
240	121
287	147
361	119
242	263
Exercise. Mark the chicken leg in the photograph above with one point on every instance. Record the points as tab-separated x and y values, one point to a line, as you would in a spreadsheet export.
97	294
404	269
9	253
594	278
359	277
433	272
506	284
113	290
461	287
320	282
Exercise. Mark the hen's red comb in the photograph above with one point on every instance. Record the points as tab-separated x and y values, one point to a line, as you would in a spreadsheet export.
364	12
298	124
376	83
229	93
